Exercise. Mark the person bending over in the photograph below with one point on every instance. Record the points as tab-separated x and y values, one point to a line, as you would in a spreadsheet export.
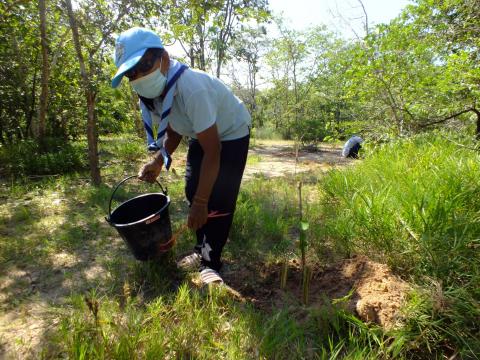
179	101
352	147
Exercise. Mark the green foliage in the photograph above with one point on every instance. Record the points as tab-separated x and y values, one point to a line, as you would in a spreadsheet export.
403	77
309	97
54	156
146	310
415	204
210	27
266	133
310	131
129	148
19	64
264	210
116	109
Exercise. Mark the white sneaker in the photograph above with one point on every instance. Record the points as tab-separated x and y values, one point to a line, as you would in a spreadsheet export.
190	262
209	276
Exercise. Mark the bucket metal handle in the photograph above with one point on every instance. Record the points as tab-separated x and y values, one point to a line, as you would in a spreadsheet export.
121	183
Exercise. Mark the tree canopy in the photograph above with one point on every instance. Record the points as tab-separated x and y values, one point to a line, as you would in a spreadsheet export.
418	72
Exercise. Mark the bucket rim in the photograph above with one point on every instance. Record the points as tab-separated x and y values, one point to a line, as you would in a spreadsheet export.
141	220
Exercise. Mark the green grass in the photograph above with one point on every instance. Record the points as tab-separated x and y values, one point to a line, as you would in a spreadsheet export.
412	204
415	204
267	133
210	325
253	159
53	157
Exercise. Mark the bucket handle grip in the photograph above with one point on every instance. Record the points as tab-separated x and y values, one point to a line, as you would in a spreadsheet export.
119	184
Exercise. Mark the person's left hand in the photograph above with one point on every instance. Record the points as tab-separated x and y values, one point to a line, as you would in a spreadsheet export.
198	216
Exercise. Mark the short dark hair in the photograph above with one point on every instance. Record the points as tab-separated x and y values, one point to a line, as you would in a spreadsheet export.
146	62
157	52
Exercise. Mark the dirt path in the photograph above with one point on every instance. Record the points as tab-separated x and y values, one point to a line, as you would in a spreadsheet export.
275	159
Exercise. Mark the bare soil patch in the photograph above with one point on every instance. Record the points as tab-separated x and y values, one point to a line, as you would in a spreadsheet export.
276	160
370	290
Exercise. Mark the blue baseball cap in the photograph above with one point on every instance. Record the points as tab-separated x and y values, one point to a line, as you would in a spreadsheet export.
130	47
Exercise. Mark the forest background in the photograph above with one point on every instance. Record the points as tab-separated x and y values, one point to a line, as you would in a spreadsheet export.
410	87
418	72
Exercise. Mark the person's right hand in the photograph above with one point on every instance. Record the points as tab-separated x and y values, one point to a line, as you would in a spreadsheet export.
150	171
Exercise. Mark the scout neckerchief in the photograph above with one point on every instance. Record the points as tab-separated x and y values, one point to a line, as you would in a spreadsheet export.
175	70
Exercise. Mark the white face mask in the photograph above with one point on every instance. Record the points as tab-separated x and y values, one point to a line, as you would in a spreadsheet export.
150	86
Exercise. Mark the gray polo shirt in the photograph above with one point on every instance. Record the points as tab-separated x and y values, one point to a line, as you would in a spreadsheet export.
202	100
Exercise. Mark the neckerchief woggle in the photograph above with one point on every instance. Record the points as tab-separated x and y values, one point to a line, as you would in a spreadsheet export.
175	70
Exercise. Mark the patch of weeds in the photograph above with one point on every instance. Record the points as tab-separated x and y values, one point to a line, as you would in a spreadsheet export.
129	150
184	325
53	156
22	214
210	325
253	159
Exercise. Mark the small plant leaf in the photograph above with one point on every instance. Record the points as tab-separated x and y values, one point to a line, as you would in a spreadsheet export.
304	225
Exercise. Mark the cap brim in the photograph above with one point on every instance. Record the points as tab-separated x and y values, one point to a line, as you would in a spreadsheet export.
127	65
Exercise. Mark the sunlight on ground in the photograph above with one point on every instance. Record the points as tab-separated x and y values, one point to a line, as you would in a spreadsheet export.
271	159
63	244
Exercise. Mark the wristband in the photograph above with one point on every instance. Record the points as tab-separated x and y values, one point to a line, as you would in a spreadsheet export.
200	200
199	204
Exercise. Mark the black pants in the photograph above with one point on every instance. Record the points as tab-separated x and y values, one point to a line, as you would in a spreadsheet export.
211	237
354	151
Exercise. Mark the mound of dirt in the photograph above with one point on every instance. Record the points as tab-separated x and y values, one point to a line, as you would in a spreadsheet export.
377	294
371	291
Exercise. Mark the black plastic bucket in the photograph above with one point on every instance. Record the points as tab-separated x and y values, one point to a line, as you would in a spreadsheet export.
144	223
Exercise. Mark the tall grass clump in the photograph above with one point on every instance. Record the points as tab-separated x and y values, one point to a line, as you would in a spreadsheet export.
415	203
265	214
188	325
129	148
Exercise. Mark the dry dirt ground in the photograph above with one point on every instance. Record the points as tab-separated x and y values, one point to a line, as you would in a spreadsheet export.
363	287
375	294
279	158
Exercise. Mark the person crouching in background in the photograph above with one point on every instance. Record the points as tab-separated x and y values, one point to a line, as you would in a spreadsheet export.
352	147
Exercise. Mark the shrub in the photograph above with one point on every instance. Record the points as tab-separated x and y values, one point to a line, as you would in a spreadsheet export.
310	131
130	148
266	133
53	156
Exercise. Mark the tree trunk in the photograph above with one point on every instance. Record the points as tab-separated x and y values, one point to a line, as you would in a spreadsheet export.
42	110
63	124
219	62
92	138
295	91
2	140
90	97
225	34
136	116
477	112
192	57
201	55
31	111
